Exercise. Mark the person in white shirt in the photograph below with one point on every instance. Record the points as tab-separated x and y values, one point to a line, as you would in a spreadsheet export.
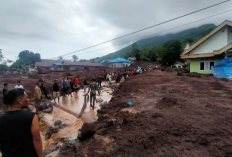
18	85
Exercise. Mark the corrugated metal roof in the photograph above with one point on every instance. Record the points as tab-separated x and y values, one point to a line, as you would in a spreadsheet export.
41	64
120	60
58	64
85	64
103	61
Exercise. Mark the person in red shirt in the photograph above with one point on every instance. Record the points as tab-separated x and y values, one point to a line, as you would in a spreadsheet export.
131	73
77	84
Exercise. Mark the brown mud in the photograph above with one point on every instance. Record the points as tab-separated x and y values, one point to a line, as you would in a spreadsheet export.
171	116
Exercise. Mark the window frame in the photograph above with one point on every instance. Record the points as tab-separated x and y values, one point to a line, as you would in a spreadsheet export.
205	65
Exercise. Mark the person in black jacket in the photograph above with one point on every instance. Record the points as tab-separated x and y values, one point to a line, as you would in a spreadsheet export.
56	91
4	91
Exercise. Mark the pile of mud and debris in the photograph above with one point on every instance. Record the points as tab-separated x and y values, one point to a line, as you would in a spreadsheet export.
170	116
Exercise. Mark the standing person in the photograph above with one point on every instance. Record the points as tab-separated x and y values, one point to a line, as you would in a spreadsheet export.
77	83
93	87
99	81
37	96
85	84
107	77
4	91
71	83
56	91
43	89
19	129
131	73
113	76
64	86
110	78
124	74
68	86
18	85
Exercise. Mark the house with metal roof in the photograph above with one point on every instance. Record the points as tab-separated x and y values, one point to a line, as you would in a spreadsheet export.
63	65
210	50
119	63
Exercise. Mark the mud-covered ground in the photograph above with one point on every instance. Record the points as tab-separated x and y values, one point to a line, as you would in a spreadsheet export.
172	116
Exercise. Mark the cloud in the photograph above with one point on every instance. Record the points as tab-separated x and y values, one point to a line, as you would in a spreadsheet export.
57	27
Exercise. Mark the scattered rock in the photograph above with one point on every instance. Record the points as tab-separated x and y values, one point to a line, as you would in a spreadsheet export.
43	106
51	149
49	109
54	129
31	108
48	135
103	104
69	145
99	100
57	122
86	132
62	126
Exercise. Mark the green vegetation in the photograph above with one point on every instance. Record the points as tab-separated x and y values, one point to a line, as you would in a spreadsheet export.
75	58
188	36
26	58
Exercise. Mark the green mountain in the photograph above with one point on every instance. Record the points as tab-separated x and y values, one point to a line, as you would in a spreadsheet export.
195	33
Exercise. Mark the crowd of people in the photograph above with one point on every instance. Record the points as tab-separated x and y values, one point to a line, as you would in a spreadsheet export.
26	141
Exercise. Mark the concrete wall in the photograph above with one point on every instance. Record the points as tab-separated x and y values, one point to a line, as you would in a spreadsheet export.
195	65
216	42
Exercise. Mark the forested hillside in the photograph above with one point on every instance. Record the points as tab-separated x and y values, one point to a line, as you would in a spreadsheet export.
193	34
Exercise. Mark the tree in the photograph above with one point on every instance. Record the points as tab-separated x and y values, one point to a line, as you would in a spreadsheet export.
171	52
25	58
61	58
135	52
75	58
127	55
82	60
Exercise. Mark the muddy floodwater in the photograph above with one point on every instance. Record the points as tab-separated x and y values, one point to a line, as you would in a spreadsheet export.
67	110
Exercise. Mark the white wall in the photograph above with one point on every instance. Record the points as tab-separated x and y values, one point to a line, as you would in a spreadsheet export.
215	42
119	65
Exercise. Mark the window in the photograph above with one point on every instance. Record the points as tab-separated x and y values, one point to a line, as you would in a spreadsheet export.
211	64
206	65
202	66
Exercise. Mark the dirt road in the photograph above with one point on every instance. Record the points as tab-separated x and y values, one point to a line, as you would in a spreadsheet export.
172	116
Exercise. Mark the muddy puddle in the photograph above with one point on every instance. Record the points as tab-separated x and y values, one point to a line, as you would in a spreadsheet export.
67	110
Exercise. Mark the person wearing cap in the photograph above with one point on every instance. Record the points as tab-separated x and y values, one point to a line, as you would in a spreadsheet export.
18	85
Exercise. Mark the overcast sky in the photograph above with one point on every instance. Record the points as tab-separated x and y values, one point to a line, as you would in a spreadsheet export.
56	27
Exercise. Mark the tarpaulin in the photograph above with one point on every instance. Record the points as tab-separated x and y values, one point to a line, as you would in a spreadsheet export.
223	69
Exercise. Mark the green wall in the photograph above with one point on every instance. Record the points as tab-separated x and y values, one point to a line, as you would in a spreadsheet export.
195	65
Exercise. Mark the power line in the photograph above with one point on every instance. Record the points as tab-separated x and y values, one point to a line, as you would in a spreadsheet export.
156	33
145	28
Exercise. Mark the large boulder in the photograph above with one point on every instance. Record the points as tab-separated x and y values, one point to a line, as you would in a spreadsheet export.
43	106
86	132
